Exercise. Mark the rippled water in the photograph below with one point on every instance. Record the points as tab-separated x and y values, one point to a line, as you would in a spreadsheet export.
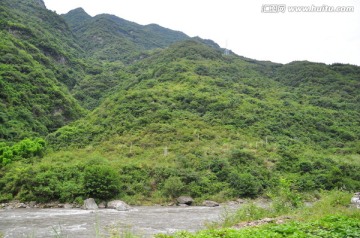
143	221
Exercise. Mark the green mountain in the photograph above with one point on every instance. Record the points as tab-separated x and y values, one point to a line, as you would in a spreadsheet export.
108	37
111	42
191	120
299	103
38	64
168	115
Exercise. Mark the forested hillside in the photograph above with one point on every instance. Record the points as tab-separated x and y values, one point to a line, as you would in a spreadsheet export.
38	65
158	120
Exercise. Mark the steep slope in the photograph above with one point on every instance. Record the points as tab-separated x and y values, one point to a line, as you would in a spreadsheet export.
251	97
38	64
112	43
107	37
189	120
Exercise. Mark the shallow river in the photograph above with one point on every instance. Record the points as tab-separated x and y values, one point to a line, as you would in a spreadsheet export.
143	221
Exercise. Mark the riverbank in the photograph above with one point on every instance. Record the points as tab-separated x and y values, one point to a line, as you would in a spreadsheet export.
33	204
332	215
102	205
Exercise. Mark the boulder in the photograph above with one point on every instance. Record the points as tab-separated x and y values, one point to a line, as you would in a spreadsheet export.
208	203
185	200
102	205
68	206
356	200
118	205
21	205
90	204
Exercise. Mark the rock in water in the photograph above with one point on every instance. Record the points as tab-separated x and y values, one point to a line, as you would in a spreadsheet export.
208	203
118	205
90	204
185	200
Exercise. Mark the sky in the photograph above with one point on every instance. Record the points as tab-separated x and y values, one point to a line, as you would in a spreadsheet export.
257	29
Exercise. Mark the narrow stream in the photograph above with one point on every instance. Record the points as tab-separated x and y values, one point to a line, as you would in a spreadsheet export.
143	221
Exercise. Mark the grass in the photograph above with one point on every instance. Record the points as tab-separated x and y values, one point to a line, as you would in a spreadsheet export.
329	226
330	216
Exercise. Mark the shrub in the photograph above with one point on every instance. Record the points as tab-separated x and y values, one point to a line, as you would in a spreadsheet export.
284	198
101	181
173	187
244	184
24	149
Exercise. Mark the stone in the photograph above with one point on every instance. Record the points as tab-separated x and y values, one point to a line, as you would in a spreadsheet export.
240	201
32	204
9	207
102	205
118	205
21	205
185	200
90	204
68	206
208	203
356	200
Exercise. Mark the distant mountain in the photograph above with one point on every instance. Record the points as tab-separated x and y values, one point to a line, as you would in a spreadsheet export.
108	37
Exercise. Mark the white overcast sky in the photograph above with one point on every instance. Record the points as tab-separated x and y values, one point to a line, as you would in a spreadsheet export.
242	27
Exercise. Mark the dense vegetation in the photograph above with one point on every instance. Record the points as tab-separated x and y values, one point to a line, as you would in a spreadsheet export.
37	65
180	119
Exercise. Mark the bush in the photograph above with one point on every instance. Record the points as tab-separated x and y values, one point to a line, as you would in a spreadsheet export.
24	149
284	198
244	184
173	187
101	181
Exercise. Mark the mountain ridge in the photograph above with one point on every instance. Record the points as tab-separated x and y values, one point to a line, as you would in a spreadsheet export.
104	33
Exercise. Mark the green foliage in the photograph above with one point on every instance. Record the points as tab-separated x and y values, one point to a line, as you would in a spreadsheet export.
330	226
101	181
173	187
36	67
284	198
244	184
25	149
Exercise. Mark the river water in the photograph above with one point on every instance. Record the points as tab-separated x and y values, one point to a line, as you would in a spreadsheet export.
142	221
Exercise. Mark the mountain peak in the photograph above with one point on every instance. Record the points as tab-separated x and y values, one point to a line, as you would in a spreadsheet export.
76	17
79	12
38	3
